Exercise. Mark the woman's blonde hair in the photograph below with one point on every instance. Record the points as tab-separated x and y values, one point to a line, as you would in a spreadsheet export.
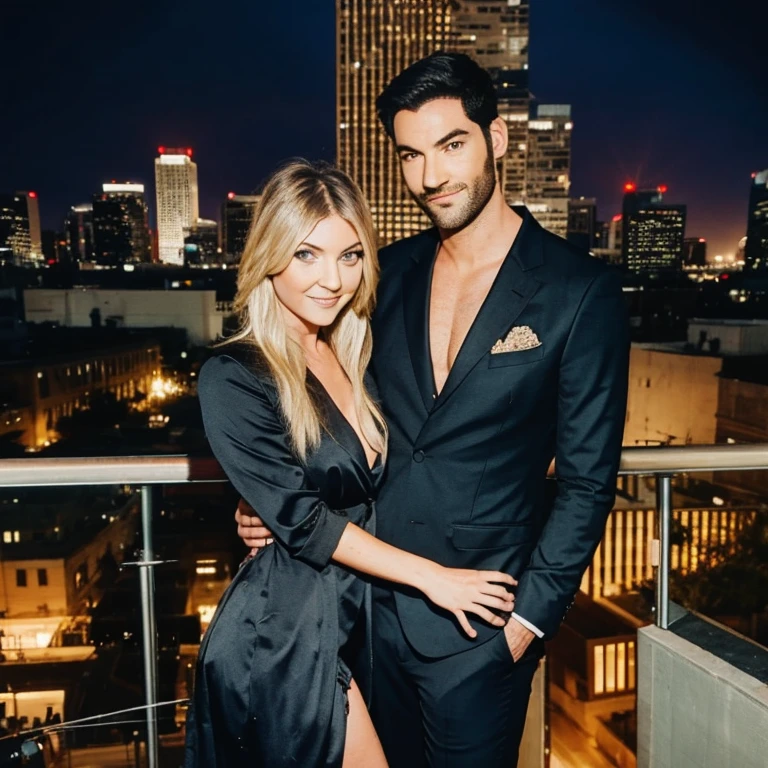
294	200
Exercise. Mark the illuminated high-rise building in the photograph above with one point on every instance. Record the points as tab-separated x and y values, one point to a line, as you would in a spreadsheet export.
548	176
20	228
201	243
375	40
120	224
496	36
79	231
177	201
653	231
236	215
756	248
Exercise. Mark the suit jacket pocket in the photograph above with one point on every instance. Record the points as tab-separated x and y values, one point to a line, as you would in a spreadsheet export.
503	359
490	536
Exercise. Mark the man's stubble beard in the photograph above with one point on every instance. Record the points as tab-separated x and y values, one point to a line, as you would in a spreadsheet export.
479	193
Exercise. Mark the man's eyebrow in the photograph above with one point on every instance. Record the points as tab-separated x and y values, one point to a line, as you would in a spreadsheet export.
448	136
452	135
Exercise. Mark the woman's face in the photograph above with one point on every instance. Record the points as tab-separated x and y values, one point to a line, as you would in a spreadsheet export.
323	275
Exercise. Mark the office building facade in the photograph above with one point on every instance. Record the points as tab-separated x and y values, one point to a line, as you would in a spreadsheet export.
177	201
120	224
756	248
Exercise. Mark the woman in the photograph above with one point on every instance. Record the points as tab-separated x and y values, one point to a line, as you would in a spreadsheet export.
289	415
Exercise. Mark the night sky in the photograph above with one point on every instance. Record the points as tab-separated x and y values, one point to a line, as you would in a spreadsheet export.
661	92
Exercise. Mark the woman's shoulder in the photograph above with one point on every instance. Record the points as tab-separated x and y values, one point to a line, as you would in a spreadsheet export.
237	364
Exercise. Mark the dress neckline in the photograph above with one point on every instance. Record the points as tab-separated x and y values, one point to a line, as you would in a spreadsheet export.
358	440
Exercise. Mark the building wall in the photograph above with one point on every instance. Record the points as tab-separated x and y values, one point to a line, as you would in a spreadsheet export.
735	337
29	600
672	398
41	394
193	310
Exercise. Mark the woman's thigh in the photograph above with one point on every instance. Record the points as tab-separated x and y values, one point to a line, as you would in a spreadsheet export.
362	748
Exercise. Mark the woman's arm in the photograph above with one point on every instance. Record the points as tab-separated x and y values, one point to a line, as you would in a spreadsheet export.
455	589
247	437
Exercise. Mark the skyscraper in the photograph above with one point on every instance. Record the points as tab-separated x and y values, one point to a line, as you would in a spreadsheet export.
20	227
120	224
236	215
582	222
376	39
756	249
201	243
79	231
653	231
496	36
177	202
548	177
694	252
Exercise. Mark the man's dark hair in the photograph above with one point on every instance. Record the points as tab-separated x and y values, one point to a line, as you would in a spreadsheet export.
440	75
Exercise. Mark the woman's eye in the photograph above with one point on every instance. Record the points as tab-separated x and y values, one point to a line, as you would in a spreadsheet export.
352	257
304	255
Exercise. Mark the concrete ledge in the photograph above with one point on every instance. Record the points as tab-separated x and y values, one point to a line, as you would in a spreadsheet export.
696	710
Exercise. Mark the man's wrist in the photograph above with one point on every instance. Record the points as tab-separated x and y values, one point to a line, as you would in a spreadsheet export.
527	624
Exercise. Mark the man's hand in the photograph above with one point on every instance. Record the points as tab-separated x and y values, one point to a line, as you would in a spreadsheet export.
250	527
518	637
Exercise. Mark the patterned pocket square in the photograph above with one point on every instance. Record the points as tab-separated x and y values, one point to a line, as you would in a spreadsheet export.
519	338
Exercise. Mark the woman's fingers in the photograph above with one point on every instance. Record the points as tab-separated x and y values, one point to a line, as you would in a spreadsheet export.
498	576
486	615
489	601
465	625
497	591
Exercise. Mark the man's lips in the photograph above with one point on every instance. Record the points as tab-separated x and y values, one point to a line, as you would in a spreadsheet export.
442	196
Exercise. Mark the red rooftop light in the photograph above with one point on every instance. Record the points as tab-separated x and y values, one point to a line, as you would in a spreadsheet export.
33	195
617	217
630	186
702	239
663	188
231	195
189	151
161	150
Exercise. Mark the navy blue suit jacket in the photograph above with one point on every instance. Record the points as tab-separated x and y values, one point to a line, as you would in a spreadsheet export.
465	482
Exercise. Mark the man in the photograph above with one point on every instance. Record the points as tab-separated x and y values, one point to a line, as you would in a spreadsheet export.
497	346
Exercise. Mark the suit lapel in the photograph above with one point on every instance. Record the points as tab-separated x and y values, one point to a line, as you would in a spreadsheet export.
416	289
510	293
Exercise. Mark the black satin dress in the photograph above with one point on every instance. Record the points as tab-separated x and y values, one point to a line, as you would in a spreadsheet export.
271	685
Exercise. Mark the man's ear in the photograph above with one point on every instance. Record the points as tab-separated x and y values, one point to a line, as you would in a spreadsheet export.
499	137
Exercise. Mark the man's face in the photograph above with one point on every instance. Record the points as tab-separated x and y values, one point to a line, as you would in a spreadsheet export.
446	160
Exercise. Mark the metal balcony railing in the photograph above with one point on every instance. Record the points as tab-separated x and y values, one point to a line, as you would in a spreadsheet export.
661	462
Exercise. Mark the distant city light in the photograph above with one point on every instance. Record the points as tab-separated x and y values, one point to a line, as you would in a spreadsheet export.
630	186
663	188
702	239
617	217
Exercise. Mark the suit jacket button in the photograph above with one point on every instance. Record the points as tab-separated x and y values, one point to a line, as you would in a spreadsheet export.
418	456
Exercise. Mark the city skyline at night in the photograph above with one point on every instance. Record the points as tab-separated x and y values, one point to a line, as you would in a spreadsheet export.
633	120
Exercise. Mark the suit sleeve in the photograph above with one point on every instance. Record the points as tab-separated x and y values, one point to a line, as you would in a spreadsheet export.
592	399
248	438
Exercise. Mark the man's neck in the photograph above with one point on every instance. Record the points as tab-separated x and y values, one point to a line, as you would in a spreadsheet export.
486	240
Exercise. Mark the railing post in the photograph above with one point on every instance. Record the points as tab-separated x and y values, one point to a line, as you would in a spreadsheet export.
148	624
664	509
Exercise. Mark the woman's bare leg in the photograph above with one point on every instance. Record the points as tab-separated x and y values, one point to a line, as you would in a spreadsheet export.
362	748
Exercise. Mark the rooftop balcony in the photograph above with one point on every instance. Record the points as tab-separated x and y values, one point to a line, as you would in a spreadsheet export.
699	689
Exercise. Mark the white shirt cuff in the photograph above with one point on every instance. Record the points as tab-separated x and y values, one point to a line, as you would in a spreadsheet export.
527	624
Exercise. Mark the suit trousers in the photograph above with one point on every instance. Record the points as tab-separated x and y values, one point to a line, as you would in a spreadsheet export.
461	711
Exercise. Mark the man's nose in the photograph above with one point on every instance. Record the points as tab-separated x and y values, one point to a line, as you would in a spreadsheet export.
434	175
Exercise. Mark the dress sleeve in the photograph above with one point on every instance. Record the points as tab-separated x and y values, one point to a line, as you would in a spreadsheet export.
248	438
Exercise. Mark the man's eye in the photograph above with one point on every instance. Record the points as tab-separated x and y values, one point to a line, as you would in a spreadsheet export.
352	257
408	156
454	145
304	255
